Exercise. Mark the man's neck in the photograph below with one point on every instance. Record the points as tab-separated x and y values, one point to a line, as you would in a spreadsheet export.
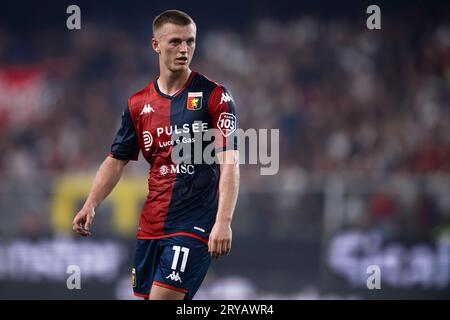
171	82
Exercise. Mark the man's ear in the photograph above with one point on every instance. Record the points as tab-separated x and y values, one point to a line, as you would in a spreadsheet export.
155	46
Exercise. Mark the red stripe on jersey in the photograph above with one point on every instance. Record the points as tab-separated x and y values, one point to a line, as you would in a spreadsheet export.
156	283
160	185
218	110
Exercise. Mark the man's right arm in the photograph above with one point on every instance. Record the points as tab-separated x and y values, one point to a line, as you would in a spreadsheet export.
105	180
125	147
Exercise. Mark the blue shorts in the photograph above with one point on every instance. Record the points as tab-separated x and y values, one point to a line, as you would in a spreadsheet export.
179	263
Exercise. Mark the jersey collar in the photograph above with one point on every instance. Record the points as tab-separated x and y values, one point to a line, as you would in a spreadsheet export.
155	84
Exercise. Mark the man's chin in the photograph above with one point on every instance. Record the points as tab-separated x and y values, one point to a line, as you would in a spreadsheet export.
179	68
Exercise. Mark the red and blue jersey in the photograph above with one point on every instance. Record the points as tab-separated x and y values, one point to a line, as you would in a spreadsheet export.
183	196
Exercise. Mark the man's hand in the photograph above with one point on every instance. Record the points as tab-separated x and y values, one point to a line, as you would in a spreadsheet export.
83	221
105	180
220	239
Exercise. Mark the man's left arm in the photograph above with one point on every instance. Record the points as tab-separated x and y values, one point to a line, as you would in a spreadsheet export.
221	233
222	110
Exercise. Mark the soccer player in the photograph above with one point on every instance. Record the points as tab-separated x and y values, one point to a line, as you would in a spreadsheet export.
186	218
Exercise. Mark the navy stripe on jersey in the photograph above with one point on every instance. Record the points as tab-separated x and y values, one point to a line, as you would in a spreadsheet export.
126	144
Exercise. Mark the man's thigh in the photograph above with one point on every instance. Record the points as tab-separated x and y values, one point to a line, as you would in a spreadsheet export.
183	265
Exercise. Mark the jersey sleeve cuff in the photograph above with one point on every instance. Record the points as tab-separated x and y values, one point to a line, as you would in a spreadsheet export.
119	157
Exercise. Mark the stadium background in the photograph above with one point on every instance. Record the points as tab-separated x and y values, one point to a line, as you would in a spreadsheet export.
364	145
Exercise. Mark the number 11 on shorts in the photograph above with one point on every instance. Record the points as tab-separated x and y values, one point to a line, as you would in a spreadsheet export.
177	250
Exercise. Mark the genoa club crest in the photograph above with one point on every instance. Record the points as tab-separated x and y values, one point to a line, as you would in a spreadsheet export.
194	101
133	277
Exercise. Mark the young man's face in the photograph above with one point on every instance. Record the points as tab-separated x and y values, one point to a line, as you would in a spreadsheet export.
175	45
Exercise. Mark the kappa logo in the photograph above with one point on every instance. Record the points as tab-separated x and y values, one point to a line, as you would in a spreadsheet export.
225	97
174	276
147	109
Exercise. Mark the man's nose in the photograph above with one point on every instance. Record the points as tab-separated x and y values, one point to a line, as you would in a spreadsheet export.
183	47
